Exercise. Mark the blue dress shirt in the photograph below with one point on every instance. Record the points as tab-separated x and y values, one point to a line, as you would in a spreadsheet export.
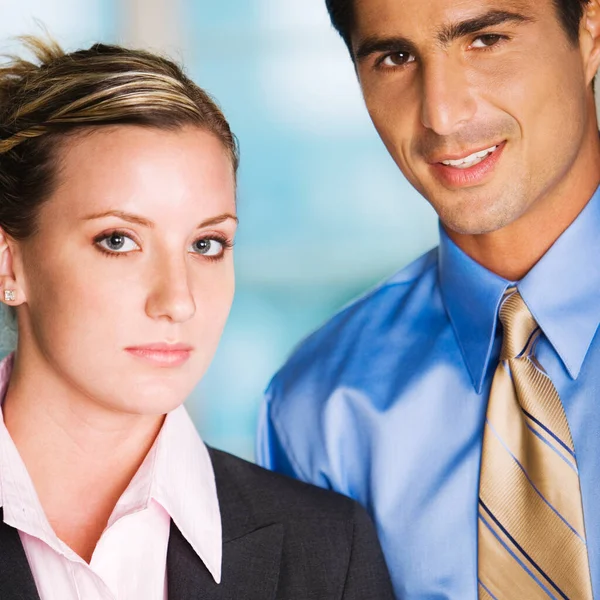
386	402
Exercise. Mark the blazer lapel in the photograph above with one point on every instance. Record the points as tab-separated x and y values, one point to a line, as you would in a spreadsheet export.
16	579
252	548
250	567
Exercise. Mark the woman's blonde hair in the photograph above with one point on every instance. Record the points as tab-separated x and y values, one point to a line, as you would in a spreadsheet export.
56	94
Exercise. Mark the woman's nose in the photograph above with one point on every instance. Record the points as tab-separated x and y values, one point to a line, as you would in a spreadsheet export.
170	296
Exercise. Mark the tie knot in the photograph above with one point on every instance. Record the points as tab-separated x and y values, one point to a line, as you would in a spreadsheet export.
519	326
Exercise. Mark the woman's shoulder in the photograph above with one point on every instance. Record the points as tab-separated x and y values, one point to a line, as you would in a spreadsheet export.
325	543
271	494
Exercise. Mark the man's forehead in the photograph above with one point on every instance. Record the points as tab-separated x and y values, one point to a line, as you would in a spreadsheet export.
376	17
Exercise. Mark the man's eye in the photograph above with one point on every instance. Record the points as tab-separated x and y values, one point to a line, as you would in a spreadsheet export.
486	41
397	59
208	247
117	242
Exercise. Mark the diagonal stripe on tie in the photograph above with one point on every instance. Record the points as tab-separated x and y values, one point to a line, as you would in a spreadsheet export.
538	396
508	431
527	581
531	526
484	593
552	435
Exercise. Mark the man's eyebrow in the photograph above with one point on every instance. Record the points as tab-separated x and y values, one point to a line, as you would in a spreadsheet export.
493	18
150	224
374	45
448	33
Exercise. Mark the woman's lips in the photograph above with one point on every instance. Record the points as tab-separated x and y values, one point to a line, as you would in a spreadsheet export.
455	177
162	355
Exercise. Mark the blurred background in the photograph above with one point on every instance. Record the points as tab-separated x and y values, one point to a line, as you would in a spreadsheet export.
324	212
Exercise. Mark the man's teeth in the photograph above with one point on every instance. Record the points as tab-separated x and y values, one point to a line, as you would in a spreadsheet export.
469	161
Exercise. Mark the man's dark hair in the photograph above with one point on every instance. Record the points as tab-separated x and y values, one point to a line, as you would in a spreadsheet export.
569	11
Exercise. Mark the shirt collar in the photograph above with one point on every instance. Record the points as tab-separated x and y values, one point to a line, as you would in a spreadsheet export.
562	292
472	296
184	484
177	473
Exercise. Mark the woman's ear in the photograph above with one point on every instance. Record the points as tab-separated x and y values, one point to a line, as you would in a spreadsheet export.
11	292
589	38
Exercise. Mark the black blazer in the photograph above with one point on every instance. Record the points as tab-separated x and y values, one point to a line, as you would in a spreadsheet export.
282	540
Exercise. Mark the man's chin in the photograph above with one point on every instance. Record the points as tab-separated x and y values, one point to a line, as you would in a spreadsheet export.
477	218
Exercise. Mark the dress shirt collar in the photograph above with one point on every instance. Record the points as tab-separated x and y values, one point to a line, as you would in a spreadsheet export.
472	297
177	473
562	292
184	484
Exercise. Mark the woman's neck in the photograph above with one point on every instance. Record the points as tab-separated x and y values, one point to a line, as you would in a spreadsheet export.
80	455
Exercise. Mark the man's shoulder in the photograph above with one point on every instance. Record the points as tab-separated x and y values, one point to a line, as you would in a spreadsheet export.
389	293
362	329
274	497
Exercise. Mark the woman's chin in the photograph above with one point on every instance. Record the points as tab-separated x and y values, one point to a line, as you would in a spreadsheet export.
148	404
146	398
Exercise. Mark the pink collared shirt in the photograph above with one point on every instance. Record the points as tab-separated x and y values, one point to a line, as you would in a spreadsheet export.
175	481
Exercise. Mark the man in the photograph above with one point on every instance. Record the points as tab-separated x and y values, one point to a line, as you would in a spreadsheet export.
458	401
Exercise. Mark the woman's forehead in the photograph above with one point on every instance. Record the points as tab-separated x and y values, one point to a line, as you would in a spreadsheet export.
137	169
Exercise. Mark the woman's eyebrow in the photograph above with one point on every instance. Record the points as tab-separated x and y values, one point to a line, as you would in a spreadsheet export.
121	215
217	220
132	218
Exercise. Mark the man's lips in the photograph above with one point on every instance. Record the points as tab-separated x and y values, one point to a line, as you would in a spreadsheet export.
474	171
162	354
462	154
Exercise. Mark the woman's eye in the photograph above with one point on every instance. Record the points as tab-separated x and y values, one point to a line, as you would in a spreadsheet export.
486	41
208	247
117	242
397	59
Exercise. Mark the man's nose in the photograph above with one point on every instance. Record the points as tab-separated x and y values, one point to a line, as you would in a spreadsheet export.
447	99
170	296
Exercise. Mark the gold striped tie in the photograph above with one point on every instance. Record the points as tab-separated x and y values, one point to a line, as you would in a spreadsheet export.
531	532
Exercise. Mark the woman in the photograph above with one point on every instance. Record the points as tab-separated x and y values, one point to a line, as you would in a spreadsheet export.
117	219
